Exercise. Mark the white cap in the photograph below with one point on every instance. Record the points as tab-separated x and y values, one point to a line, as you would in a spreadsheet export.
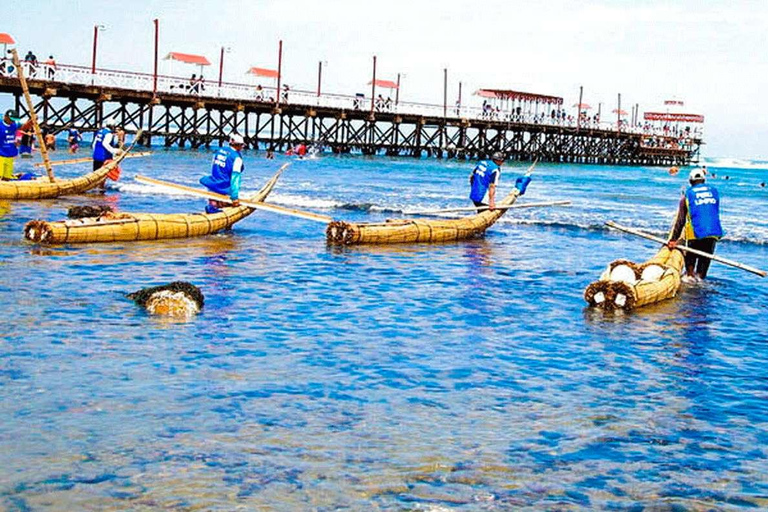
698	174
236	139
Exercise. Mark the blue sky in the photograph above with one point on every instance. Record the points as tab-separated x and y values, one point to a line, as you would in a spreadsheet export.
709	54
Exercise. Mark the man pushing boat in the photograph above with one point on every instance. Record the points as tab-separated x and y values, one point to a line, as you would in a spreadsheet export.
226	170
699	213
484	178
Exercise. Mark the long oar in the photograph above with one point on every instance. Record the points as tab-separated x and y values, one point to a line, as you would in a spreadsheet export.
225	199
33	115
88	159
761	273
481	208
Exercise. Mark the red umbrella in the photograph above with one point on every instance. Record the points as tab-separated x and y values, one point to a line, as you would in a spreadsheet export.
267	73
5	40
385	84
582	106
619	111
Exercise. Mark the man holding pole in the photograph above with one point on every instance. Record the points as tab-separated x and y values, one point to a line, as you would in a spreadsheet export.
8	149
699	213
226	170
484	178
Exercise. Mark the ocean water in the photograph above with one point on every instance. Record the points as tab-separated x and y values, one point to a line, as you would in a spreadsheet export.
460	376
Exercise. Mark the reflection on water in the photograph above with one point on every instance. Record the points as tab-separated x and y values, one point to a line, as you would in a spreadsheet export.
410	377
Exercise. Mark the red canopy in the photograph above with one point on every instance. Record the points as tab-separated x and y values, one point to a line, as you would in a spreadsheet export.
188	58
582	106
269	73
675	118
386	84
6	39
516	95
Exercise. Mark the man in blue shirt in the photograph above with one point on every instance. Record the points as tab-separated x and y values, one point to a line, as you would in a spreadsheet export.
105	146
698	220
8	150
226	170
485	177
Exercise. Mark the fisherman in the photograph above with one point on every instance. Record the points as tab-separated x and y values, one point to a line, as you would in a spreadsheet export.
74	138
226	170
484	178
26	140
8	149
105	147
699	213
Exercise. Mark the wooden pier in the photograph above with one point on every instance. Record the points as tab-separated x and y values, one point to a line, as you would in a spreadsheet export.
189	120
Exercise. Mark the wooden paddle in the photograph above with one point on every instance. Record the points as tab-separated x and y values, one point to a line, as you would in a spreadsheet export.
225	199
761	273
88	159
481	208
33	115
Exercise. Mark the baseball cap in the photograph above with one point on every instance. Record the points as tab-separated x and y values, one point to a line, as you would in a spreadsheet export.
697	174
498	155
236	139
13	114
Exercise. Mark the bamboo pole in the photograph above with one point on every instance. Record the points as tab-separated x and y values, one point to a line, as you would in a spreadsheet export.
481	208
88	159
33	115
761	273
225	199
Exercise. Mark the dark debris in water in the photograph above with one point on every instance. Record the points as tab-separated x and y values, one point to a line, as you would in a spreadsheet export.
82	212
142	296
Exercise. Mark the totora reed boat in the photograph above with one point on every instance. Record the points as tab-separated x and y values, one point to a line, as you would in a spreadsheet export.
626	285
129	227
402	231
43	188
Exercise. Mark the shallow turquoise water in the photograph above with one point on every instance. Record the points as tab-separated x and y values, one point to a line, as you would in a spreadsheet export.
463	376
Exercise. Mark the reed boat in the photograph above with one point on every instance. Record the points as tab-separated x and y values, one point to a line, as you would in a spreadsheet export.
626	285
129	227
44	188
402	231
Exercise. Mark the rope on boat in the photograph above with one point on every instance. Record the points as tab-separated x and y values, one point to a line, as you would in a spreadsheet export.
339	232
37	231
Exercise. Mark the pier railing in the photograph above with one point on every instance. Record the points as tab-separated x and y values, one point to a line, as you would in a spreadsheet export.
659	136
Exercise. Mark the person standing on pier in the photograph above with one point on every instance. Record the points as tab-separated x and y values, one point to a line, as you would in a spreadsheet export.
226	170
699	213
484	178
8	150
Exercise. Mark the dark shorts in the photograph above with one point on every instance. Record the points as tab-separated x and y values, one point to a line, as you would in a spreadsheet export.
700	264
98	164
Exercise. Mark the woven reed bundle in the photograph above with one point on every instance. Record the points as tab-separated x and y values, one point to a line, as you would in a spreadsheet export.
82	212
663	284
43	189
178	299
129	227
400	231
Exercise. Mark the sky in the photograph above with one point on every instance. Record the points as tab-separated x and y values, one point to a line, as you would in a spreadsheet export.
710	54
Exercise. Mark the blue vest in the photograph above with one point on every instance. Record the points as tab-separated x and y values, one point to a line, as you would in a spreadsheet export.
703	220
222	167
99	153
8	139
484	174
